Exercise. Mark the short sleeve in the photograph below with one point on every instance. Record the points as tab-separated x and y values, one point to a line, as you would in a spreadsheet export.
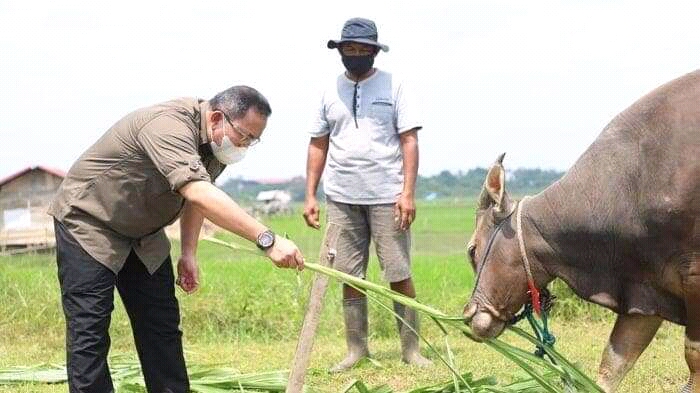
319	125
172	146
408	115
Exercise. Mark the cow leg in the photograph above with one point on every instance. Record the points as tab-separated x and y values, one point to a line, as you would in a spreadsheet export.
691	289
630	336
692	357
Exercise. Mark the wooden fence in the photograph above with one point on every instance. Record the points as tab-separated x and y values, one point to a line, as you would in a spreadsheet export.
13	241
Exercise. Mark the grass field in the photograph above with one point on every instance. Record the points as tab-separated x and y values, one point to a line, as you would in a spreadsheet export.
247	315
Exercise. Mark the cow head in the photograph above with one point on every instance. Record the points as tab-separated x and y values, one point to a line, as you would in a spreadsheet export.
500	289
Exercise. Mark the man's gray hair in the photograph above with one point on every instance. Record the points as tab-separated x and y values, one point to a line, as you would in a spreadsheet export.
235	102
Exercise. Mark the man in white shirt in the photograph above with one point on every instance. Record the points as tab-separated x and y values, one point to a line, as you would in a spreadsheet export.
365	135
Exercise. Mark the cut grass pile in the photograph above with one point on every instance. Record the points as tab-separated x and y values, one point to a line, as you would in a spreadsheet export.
127	377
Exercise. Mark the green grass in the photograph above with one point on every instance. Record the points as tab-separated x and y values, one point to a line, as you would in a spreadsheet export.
248	315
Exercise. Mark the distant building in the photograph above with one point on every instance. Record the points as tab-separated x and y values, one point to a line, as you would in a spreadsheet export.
24	198
273	202
273	181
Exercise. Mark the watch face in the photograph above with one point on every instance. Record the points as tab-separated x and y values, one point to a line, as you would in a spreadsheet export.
266	239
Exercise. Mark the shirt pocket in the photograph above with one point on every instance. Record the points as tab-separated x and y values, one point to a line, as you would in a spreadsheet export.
382	113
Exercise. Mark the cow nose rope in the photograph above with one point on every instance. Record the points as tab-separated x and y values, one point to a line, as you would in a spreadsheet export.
541	303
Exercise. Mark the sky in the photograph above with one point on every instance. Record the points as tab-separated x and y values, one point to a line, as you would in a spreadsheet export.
535	79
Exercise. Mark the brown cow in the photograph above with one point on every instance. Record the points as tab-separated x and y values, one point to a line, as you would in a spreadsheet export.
621	228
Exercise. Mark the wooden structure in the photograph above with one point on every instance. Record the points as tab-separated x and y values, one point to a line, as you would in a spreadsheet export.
24	198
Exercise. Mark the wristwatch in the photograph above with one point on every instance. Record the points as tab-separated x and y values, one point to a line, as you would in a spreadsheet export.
265	240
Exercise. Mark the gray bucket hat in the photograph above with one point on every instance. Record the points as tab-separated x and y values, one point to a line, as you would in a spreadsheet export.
359	30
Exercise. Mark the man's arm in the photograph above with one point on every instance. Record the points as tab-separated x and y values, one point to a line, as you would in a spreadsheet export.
406	205
220	209
187	267
315	162
190	226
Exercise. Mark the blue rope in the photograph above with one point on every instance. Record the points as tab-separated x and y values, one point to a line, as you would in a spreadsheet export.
542	333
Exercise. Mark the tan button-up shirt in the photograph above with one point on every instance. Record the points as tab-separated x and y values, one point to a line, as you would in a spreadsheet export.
122	191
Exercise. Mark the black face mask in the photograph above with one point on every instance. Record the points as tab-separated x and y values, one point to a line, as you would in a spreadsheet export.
358	65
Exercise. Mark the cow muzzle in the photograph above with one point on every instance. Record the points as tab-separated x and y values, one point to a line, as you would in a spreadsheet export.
482	321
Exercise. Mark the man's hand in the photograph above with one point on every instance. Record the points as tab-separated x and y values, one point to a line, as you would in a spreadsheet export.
311	212
284	253
405	211
187	274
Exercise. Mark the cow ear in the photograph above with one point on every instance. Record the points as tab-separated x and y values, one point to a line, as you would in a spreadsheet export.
495	184
484	199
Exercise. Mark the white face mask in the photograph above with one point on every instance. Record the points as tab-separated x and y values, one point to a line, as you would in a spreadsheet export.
227	153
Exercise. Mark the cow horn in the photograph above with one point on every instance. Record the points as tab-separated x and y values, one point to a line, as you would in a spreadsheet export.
500	158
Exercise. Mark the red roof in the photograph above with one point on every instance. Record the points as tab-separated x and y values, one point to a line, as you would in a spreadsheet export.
53	171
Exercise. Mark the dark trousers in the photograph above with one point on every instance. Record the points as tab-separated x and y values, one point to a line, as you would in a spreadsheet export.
87	294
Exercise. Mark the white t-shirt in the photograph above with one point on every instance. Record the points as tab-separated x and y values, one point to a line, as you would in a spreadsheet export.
364	164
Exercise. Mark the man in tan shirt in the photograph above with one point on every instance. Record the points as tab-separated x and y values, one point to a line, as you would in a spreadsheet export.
153	166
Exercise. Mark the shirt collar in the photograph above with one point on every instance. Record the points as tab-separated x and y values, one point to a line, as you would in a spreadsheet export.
203	108
362	82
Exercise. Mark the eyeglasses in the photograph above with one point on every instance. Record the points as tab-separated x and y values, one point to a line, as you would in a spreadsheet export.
246	138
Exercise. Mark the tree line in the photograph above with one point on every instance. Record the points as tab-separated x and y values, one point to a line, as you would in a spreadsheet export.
446	184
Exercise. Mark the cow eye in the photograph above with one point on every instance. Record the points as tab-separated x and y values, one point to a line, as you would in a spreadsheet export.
471	249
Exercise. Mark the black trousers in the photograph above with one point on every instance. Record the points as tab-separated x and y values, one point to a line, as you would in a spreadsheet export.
87	294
